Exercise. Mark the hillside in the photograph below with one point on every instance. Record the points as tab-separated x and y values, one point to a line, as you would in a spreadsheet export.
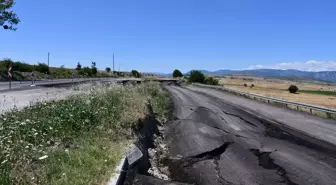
328	76
22	71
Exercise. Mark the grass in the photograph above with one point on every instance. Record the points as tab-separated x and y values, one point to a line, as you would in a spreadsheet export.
327	93
77	140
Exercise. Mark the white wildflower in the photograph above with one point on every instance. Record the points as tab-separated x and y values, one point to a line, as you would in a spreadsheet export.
43	157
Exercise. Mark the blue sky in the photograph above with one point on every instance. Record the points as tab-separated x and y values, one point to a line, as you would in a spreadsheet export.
161	35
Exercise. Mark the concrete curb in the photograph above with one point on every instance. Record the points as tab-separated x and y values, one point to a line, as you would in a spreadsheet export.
120	175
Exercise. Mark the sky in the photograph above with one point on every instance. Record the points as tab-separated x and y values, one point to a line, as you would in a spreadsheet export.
163	35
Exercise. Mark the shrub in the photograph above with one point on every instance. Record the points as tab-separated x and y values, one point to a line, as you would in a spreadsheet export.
252	85
196	76
177	73
87	71
42	68
293	89
108	69
94	68
245	85
211	81
78	67
135	73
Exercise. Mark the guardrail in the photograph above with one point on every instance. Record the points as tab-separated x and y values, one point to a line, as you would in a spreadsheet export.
328	111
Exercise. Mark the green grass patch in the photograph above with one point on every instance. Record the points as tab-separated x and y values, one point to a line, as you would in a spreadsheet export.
327	93
77	140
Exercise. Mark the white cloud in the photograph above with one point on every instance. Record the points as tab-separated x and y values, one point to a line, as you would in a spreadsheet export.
311	65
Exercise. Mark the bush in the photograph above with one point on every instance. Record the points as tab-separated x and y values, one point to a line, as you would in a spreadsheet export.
135	73
252	85
196	76
211	81
293	89
108	69
245	85
42	68
177	73
87	71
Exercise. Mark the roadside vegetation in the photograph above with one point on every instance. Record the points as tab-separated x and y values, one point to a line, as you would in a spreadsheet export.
177	73
199	77
22	71
135	73
327	93
77	140
8	19
293	88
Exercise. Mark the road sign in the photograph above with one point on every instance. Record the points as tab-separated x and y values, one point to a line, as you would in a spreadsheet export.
10	71
10	75
33	79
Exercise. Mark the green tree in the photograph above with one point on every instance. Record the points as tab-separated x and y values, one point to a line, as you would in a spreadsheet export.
78	67
94	68
211	81
108	69
8	19
177	73
135	73
42	67
87	71
196	76
293	88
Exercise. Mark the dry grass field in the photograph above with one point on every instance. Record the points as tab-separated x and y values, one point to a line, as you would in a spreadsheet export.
278	88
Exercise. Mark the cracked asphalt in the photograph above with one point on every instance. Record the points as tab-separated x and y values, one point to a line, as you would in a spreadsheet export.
214	140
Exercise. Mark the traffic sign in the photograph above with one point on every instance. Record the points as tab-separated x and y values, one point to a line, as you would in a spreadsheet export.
10	75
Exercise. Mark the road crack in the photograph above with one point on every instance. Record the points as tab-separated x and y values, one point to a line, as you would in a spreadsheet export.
212	154
250	123
267	162
220	179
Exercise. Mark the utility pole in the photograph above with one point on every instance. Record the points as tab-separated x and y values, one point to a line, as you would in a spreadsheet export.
113	63
48	58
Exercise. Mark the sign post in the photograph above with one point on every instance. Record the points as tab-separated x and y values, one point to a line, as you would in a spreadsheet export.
33	79
73	76
10	75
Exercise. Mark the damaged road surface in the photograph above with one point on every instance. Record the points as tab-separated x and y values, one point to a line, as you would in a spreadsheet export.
212	142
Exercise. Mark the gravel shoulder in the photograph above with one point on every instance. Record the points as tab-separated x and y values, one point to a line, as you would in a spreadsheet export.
21	99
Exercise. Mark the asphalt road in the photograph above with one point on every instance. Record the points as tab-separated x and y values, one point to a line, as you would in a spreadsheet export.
218	138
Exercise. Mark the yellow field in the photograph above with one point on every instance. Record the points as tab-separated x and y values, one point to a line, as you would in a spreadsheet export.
278	89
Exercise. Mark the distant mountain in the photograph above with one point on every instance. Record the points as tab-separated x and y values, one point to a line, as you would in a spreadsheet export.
328	76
